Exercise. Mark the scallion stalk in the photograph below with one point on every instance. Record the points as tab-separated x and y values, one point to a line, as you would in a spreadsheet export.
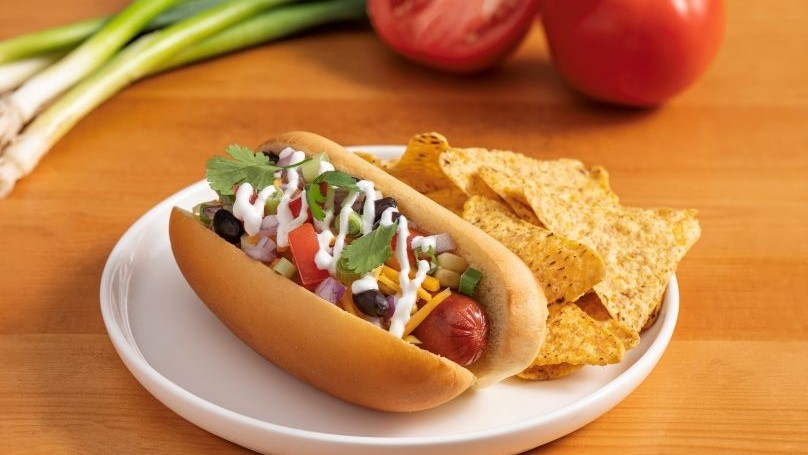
65	38
270	25
15	73
147	54
20	107
24	56
57	39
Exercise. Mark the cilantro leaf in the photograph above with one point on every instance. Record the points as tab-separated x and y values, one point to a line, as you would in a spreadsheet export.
315	199
244	165
314	190
369	251
338	179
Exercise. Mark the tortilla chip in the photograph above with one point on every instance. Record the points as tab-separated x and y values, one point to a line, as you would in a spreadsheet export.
574	337
592	306
513	170
451	198
373	159
419	166
549	372
566	269
641	247
511	192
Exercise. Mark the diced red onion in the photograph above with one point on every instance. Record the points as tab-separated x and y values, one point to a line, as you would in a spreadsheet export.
391	308
269	225
285	160
330	289
443	243
263	250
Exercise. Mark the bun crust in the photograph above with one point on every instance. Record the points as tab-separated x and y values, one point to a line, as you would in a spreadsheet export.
339	353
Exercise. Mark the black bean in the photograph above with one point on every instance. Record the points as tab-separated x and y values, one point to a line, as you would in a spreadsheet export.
227	226
380	205
372	303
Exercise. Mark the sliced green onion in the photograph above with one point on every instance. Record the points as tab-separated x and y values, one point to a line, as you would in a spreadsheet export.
185	42
285	267
21	106
469	281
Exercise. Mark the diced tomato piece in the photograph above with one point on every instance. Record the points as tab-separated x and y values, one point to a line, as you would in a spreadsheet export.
304	246
413	233
295	205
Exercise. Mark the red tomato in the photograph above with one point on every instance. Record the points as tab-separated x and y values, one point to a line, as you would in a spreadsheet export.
463	36
413	233
303	244
634	52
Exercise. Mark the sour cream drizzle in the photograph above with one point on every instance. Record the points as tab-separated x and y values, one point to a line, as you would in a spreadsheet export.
327	257
286	221
406	299
251	213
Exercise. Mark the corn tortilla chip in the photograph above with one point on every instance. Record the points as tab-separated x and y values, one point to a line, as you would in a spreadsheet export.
510	192
592	306
641	247
565	269
419	166
574	337
512	170
549	372
451	198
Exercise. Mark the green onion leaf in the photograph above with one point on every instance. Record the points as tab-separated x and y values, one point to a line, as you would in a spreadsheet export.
469	281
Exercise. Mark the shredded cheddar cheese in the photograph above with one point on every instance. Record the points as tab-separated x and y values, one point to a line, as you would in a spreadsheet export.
389	278
422	313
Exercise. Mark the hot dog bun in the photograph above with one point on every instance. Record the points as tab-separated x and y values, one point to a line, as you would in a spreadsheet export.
344	355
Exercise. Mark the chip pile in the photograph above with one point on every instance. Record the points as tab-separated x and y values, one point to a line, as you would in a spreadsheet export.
604	267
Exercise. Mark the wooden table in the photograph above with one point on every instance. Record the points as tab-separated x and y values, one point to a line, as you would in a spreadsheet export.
735	146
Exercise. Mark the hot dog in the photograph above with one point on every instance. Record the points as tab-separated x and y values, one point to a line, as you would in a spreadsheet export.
371	346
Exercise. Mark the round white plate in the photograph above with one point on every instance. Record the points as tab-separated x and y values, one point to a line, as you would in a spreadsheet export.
186	358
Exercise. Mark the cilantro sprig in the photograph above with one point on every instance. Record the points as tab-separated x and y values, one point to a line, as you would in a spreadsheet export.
225	174
314	190
369	251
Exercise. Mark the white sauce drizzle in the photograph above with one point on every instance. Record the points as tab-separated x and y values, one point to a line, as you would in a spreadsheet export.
369	208
327	257
406	299
425	243
286	221
366	283
251	213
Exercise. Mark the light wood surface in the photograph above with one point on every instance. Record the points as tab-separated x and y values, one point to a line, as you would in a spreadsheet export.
735	146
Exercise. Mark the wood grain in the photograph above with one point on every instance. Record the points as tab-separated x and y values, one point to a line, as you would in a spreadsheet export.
735	146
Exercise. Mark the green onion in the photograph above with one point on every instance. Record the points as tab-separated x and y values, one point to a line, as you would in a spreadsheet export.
21	106
58	39
230	26
62	39
285	267
23	56
469	281
14	74
271	25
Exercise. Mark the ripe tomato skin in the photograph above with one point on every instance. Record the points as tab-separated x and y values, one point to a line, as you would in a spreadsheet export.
457	36
632	52
304	245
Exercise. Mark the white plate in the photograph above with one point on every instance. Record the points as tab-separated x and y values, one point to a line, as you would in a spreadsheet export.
186	358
